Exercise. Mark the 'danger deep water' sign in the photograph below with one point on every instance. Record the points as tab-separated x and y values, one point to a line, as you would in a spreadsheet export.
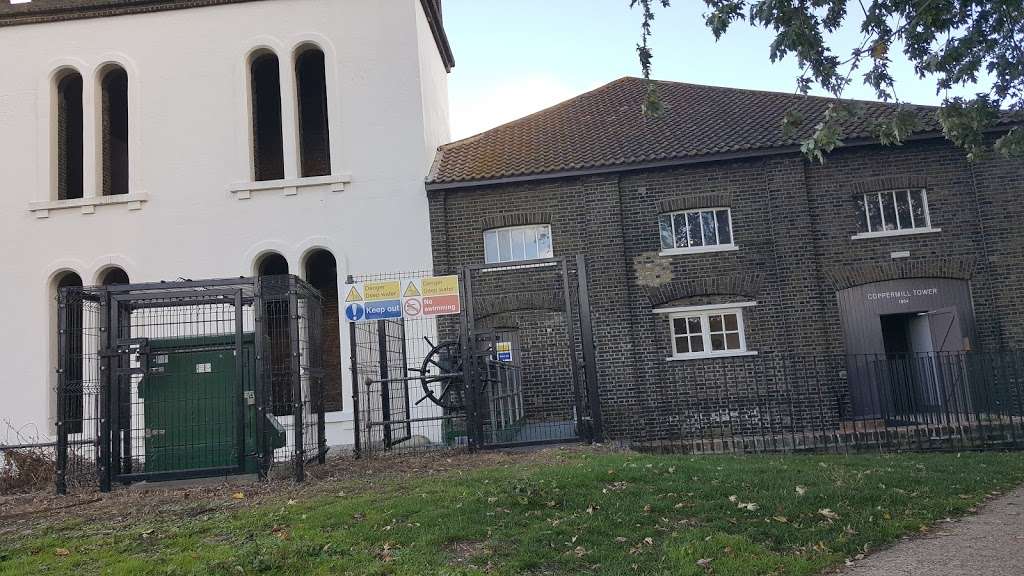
411	298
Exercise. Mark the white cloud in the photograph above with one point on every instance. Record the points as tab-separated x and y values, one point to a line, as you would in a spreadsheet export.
477	107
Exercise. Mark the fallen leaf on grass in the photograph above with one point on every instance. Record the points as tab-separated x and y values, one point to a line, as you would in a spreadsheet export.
828	513
238	496
62	552
801	490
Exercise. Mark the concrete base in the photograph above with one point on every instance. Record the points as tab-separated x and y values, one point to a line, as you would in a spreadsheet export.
237	480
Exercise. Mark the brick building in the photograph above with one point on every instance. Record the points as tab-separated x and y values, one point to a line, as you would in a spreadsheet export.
723	265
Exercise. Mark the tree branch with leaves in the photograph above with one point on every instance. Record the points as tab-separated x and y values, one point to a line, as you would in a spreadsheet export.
952	41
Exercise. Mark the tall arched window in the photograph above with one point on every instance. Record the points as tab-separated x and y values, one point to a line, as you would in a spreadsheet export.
314	133
276	321
114	130
267	139
322	273
114	277
69	136
70	318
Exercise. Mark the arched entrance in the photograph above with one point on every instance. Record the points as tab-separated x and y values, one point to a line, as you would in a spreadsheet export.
905	340
321	271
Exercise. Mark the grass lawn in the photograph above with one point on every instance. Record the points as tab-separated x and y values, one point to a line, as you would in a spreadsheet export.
586	513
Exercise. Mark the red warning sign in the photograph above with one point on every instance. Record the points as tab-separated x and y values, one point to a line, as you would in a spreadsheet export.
441	305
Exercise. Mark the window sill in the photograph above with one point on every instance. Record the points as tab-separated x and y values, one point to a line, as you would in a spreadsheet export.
291	186
518	265
889	233
709	355
699	250
134	201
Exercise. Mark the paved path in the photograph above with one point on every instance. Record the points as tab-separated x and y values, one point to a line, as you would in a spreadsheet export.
990	543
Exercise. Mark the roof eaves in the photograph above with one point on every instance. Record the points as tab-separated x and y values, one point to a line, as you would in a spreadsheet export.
432	185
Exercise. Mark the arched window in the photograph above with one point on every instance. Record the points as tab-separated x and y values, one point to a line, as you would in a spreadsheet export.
267	140
70	318
276	321
314	133
272	264
322	273
114	277
69	136
114	130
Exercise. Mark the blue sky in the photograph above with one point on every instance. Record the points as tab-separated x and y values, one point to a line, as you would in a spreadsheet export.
514	57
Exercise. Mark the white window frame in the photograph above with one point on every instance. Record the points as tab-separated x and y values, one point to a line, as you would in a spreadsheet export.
704	312
877	197
719	247
510	230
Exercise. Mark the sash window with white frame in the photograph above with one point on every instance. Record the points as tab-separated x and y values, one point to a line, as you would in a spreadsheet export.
707	333
704	230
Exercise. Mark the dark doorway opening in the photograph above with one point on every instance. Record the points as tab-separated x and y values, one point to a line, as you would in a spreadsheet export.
322	274
896	334
279	343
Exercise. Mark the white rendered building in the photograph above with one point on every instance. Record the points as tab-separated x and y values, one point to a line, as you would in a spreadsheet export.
150	140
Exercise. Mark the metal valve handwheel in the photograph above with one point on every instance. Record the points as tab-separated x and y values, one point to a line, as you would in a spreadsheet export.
441	375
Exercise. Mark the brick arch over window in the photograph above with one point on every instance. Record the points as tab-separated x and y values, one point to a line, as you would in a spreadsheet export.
515	219
896	182
712	200
955	267
747	285
487	306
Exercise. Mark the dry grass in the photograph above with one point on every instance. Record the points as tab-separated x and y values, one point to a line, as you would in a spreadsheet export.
26	470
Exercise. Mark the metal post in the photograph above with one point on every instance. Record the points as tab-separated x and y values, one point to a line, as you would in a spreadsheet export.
296	375
240	383
474	427
354	368
62	359
104	460
571	342
264	395
589	349
385	380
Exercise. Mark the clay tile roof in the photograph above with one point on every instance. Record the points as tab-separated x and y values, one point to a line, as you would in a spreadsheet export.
606	128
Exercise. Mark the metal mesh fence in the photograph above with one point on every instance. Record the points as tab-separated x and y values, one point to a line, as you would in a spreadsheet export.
188	379
407	385
842	403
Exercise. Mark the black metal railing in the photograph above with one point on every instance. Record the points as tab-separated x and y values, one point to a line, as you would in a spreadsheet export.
840	403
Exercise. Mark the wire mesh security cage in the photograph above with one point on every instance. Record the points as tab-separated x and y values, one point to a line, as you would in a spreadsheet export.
188	379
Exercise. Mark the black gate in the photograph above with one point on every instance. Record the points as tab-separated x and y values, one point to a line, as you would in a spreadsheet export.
529	346
189	379
516	367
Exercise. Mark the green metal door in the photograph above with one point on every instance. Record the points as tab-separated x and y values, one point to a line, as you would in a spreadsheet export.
191	398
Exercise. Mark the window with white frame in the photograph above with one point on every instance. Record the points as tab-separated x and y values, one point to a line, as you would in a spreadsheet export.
893	212
703	333
702	230
517	243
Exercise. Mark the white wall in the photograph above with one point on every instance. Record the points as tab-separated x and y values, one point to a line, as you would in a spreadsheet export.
189	131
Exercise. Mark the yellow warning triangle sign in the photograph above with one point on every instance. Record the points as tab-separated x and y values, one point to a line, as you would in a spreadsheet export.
411	291
354	295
